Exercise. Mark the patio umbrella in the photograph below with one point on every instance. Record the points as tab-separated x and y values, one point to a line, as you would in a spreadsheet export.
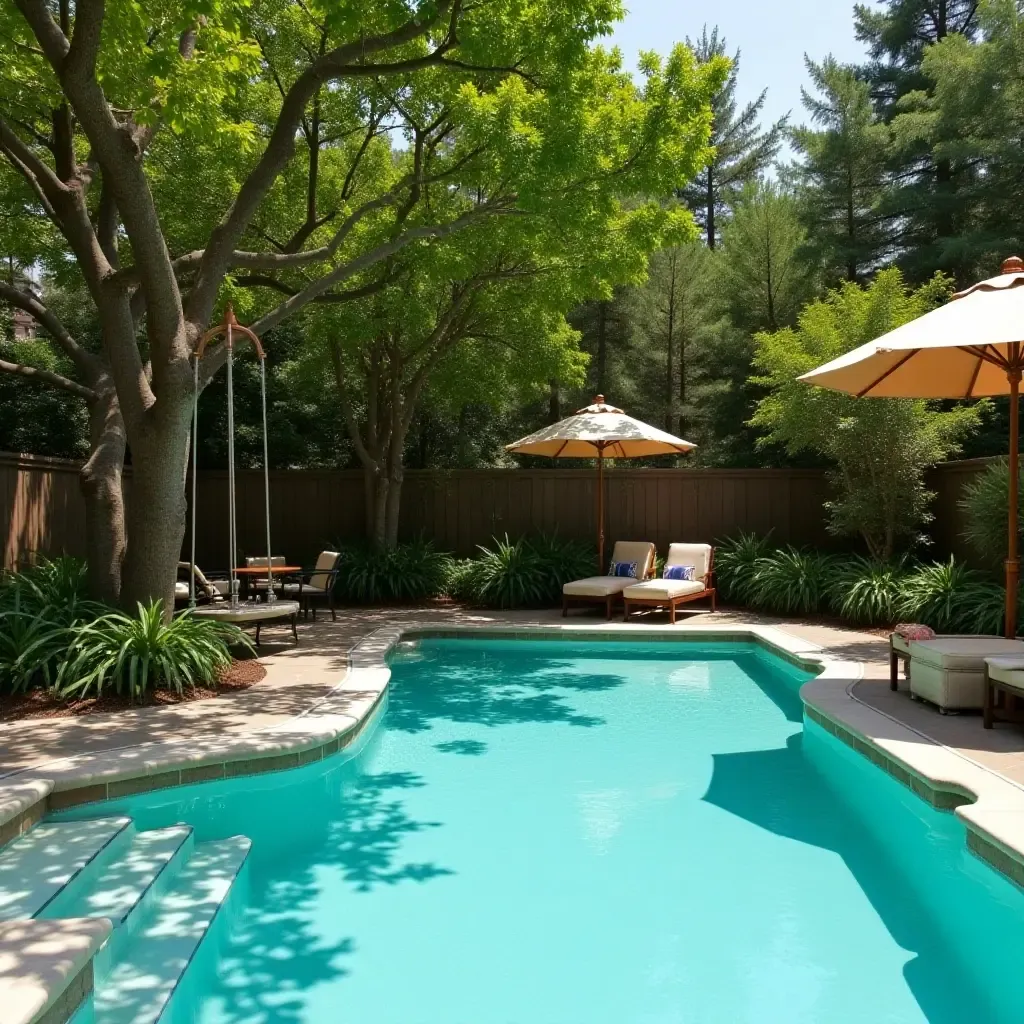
972	347
605	432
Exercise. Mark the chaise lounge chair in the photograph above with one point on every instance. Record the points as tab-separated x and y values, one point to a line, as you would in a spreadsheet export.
695	561
606	590
207	590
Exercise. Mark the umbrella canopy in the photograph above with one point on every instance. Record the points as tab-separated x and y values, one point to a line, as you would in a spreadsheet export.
604	432
600	429
972	347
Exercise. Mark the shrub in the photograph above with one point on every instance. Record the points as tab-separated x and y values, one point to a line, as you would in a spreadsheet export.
408	572
142	652
789	581
736	560
985	504
947	596
39	609
509	575
868	591
563	561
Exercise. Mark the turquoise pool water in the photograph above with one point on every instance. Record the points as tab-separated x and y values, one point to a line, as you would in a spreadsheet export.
558	833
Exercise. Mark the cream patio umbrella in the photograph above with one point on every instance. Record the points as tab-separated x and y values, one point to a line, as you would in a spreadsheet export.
606	432
973	347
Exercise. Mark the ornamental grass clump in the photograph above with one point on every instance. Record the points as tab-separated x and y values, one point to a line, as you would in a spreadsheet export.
136	654
411	571
868	591
510	574
791	582
736	561
950	598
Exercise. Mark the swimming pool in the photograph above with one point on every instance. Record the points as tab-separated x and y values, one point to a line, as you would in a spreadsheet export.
552	832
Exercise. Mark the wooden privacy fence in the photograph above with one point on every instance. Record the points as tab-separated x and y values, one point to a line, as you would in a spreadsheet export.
41	508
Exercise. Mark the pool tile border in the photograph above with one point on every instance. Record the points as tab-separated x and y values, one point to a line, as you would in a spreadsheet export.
991	807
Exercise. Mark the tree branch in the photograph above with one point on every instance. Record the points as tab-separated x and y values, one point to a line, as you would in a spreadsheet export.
48	377
261	281
85	362
338	63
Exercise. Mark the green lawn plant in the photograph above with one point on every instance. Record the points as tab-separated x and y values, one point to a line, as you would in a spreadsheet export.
134	654
373	574
791	582
735	561
868	591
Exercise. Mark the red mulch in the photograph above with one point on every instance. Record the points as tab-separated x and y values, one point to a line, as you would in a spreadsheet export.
239	675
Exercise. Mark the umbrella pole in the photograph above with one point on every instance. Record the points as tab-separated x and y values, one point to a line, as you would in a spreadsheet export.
600	509
1012	562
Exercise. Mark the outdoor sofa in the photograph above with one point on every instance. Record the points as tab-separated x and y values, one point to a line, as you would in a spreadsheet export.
607	590
670	593
949	671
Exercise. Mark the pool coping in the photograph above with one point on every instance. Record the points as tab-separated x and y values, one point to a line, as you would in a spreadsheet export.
990	806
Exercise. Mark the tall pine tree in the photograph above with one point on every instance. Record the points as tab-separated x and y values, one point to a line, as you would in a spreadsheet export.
927	204
841	176
742	151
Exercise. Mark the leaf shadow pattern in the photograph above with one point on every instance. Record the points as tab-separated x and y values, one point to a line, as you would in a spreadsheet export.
490	687
470	748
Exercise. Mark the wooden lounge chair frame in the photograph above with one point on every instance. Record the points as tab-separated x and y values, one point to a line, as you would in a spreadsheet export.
629	604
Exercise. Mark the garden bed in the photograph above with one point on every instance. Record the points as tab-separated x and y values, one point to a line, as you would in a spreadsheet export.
40	703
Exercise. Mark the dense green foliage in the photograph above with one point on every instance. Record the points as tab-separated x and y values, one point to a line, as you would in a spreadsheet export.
985	503
52	635
133	654
880	448
369	574
948	596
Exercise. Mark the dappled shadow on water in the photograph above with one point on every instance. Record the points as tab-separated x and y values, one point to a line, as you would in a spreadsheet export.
492	689
336	834
780	790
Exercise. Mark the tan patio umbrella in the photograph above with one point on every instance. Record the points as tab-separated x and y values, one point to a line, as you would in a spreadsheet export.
605	432
972	347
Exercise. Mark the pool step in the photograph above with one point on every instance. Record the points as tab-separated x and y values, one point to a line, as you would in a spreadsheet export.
35	868
143	869
136	988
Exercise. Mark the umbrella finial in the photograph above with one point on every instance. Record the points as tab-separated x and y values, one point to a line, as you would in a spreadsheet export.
1013	265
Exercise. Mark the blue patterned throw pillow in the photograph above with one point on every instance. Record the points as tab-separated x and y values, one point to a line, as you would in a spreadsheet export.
623	569
679	572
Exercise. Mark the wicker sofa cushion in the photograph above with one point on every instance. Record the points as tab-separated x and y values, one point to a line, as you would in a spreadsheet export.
962	653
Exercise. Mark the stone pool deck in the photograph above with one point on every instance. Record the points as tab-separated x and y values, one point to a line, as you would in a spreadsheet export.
317	696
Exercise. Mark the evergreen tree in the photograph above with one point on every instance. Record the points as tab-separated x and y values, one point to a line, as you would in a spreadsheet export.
842	175
742	151
768	278
927	203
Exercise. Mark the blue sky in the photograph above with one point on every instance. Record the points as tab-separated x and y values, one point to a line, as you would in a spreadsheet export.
772	38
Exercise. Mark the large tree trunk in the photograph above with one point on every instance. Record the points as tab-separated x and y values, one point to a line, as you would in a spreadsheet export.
101	484
156	507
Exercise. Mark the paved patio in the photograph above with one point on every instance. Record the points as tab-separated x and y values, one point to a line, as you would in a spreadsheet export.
297	677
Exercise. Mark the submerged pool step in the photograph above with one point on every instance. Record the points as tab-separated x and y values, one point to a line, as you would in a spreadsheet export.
35	868
170	927
143	869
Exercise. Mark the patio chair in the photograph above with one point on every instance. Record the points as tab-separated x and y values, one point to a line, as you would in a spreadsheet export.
316	584
634	556
949	671
688	576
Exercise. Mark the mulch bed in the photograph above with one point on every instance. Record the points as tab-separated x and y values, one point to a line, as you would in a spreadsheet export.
239	675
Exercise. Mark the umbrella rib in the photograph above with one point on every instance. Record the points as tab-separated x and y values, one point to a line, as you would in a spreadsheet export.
974	378
560	450
892	369
989	354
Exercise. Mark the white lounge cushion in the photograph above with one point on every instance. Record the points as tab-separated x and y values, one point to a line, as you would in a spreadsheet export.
181	589
664	590
697	555
639	551
962	653
255	563
597	586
